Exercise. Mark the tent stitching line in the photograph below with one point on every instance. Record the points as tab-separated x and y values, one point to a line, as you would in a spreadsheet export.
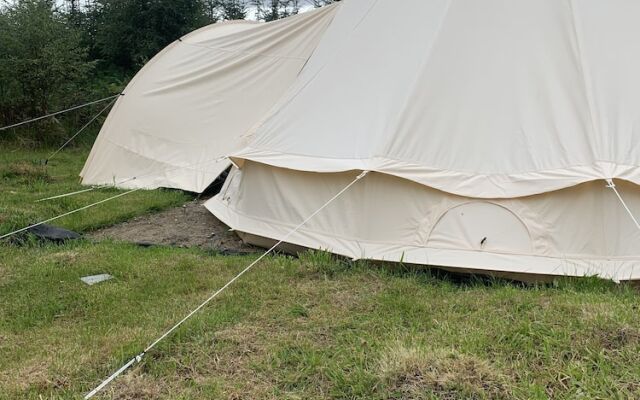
138	358
313	52
246	53
290	95
188	166
582	68
355	28
416	164
414	88
472	201
466	174
168	140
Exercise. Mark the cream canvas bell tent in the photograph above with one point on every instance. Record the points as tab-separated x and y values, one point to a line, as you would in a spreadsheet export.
492	131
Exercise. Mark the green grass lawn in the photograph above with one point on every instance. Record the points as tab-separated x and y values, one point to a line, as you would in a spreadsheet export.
24	179
308	328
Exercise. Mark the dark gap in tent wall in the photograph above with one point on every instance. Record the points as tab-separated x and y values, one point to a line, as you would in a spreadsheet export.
215	186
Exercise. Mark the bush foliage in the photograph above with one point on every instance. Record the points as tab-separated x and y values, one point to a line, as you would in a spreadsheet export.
43	64
56	54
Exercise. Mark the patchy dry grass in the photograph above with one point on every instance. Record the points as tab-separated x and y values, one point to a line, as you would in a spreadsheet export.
421	373
309	328
295	329
28	172
24	179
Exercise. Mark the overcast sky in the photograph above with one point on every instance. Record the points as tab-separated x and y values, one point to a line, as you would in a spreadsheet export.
251	10
305	5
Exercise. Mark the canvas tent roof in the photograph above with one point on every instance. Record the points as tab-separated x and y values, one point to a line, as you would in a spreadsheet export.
190	105
484	98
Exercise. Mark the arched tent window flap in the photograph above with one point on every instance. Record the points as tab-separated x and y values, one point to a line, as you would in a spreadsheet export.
612	185
483	226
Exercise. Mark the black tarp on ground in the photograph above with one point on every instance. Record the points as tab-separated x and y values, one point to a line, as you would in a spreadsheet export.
53	233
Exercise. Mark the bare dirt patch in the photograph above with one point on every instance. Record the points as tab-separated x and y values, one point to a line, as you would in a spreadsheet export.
420	373
63	258
617	337
137	385
190	225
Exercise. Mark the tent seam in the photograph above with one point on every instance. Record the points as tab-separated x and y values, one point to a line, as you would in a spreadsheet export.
248	53
414	87
583	69
177	167
363	160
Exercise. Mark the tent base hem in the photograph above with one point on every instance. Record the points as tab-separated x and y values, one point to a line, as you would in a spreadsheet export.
528	268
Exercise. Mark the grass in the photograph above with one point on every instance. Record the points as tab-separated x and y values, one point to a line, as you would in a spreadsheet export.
313	327
24	179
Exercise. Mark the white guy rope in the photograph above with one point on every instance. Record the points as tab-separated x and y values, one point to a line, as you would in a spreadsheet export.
59	112
67	213
81	129
139	357
91	189
67	194
612	185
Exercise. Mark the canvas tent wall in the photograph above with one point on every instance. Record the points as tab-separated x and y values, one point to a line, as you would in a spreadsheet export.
489	126
387	218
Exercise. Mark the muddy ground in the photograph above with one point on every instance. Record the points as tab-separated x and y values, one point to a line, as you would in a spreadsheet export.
190	225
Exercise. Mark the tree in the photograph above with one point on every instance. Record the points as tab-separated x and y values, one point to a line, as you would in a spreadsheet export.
322	3
43	64
211	10
233	9
217	10
272	10
128	33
